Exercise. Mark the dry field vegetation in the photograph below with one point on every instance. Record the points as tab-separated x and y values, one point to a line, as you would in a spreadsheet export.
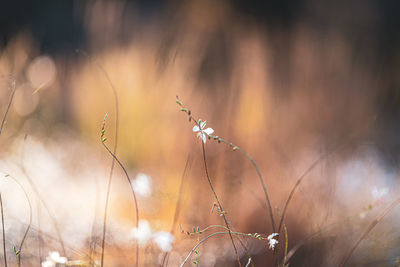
290	149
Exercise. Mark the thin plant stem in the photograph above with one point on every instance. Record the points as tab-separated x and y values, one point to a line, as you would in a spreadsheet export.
132	190
39	233
19	249
367	230
1	201
286	246
9	103
219	203
235	147
177	208
299	180
116	106
268	201
41	199
293	250
206	238
3	230
69	247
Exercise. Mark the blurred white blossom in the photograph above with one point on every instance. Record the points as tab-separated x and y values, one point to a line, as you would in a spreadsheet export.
272	240
54	259
142	185
378	194
201	132
163	240
144	233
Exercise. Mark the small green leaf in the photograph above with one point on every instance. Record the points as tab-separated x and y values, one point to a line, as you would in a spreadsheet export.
179	102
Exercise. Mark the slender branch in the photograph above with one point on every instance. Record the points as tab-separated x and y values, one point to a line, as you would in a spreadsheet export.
205	239
268	201
219	203
18	251
39	233
132	190
286	246
116	106
366	232
293	250
9	103
299	180
3	230
1	201
177	209
235	147
41	199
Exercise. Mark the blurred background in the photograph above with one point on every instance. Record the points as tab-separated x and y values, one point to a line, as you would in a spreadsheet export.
290	82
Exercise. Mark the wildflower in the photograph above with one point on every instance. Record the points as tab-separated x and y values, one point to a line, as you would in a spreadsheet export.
378	194
142	184
201	132
143	233
272	240
54	259
163	240
48	264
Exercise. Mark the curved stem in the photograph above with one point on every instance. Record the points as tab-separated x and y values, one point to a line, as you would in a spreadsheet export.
219	203
3	230
9	103
299	180
116	106
205	239
235	147
133	193
268	201
177	209
39	196
30	220
369	228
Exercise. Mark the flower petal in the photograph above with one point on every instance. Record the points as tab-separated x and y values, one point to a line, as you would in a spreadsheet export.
203	124
208	131
196	128
204	137
272	236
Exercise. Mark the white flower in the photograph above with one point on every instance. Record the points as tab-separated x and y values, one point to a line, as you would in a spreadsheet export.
143	233
378	194
201	132
142	184
272	241
163	240
53	259
48	264
363	214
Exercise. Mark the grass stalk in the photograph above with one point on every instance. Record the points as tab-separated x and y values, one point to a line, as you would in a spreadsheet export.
219	203
9	103
367	230
18	251
3	231
116	106
177	208
132	190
